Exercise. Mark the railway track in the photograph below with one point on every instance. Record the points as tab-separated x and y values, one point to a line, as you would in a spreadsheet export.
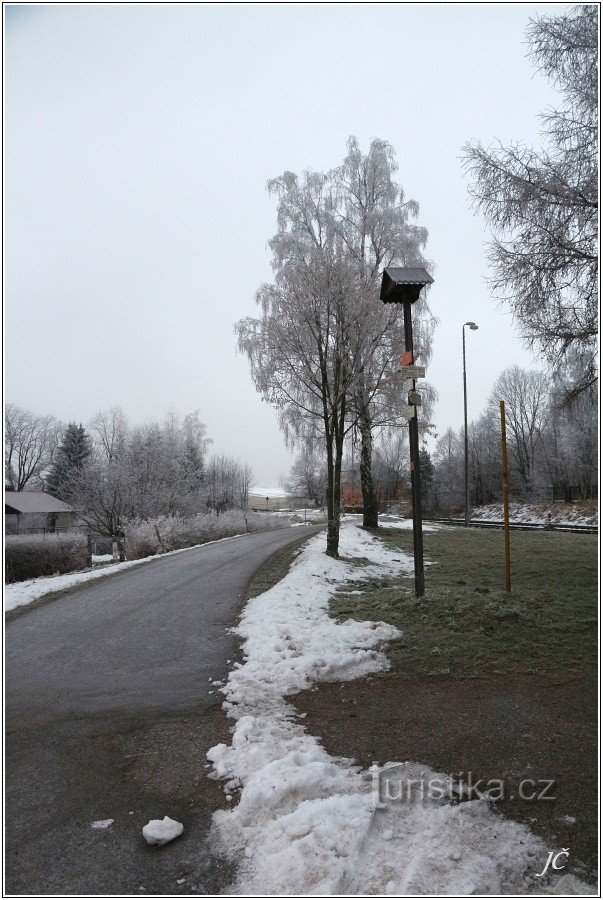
520	526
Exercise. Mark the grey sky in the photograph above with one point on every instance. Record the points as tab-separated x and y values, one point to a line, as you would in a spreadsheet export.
139	140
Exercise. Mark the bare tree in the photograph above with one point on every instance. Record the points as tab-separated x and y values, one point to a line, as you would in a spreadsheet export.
307	478
448	477
526	396
29	442
543	205
110	431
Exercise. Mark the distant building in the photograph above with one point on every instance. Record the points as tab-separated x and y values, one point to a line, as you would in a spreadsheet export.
386	481
27	512
267	499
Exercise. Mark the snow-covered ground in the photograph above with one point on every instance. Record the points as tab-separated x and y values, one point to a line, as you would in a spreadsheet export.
308	823
389	521
271	492
561	513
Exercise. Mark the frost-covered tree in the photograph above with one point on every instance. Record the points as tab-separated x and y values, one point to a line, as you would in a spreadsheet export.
227	484
110	431
323	343
568	460
526	396
69	462
29	443
377	226
300	348
307	479
542	205
448	475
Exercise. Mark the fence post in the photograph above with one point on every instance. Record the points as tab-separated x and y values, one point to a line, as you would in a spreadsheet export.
121	544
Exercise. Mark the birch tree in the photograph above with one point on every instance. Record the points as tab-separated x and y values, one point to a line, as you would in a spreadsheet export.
300	348
376	224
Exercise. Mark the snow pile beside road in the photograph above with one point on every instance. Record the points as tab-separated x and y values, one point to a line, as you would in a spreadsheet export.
308	823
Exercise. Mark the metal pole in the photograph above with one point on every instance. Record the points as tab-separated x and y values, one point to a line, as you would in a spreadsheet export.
466	435
415	468
505	474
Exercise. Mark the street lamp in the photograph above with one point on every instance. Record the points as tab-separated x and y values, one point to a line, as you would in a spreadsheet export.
473	327
404	286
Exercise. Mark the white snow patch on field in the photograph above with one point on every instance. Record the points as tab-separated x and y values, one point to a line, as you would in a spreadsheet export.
309	823
404	524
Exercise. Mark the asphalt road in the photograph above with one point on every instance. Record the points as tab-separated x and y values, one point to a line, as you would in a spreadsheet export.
109	713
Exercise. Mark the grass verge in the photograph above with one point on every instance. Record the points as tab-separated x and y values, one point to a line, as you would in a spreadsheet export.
501	686
466	626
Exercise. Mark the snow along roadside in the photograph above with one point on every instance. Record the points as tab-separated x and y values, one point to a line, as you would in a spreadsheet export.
21	593
309	823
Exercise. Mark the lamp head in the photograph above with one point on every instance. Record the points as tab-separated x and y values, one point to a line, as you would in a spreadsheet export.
471	325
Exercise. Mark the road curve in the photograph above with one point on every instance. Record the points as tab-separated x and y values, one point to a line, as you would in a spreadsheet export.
109	713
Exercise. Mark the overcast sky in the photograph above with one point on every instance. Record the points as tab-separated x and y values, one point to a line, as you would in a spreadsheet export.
138	143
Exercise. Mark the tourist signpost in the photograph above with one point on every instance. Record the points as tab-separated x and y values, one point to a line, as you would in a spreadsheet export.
404	286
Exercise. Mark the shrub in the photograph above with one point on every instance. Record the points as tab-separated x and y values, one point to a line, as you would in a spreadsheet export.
33	555
151	536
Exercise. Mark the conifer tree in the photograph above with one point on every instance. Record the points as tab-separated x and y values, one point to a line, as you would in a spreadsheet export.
69	461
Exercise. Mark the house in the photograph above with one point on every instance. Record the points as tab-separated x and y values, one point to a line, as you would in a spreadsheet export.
27	512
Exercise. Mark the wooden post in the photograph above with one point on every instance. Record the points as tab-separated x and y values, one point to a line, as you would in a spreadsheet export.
505	475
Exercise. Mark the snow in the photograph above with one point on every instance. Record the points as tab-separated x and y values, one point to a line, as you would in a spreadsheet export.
101	824
309	823
22	593
162	831
272	493
103	557
404	524
561	513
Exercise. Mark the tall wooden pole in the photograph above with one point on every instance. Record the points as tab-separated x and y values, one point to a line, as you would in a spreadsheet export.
415	468
505	475
466	435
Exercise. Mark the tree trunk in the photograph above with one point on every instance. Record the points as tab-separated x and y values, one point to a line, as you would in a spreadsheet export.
332	521
370	503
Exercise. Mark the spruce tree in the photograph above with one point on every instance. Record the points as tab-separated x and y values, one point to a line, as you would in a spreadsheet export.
69	461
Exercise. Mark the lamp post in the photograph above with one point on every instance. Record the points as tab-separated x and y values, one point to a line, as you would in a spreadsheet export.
404	286
473	327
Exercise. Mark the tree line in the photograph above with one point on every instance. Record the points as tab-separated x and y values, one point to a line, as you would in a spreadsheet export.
552	446
112	471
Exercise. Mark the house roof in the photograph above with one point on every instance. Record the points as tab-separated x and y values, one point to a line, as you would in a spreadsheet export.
34	502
